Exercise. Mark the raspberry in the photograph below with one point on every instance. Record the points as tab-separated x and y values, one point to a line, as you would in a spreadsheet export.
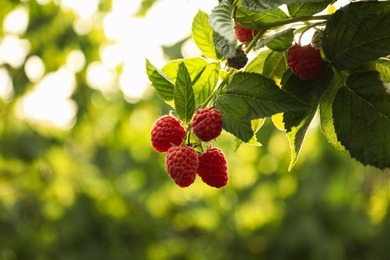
304	61
207	124
245	35
166	132
213	168
239	61
182	163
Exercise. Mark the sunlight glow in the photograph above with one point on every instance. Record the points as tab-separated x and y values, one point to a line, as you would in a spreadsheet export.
16	22
84	9
49	103
6	85
14	50
34	68
75	61
99	77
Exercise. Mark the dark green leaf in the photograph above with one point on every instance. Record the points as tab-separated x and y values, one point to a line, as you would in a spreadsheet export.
184	94
297	123
283	41
223	47
361	112
278	41
307	9
252	96
257	20
221	22
357	33
262	5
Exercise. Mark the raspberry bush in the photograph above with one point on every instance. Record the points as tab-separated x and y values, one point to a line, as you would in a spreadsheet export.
342	74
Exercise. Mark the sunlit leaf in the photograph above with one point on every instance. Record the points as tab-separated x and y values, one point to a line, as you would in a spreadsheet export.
202	34
184	94
163	85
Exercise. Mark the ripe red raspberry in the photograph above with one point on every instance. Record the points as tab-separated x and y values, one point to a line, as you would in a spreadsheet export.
182	163
304	61
213	168
207	124
166	132
245	35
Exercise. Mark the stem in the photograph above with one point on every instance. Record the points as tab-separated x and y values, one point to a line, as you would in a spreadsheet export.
297	19
213	95
255	39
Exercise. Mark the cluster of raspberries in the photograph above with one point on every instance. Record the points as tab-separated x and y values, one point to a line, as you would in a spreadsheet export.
182	161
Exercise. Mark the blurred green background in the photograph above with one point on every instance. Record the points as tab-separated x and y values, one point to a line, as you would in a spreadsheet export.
80	180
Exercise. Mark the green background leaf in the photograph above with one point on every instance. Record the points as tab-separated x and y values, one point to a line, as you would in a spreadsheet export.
202	34
184	95
361	112
357	33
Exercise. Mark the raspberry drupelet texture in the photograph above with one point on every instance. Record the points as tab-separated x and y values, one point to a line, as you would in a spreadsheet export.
304	61
213	168
182	164
207	124
166	132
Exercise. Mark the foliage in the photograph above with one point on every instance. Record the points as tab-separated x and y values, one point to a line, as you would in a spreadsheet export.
354	105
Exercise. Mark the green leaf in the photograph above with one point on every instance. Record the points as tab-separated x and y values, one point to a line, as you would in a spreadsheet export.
251	96
221	22
262	5
283	41
297	123
204	75
307	9
383	66
184	95
202	34
326	112
223	47
357	33
162	84
361	112
275	65
257	20
206	83
193	65
257	64
280	41
256	125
